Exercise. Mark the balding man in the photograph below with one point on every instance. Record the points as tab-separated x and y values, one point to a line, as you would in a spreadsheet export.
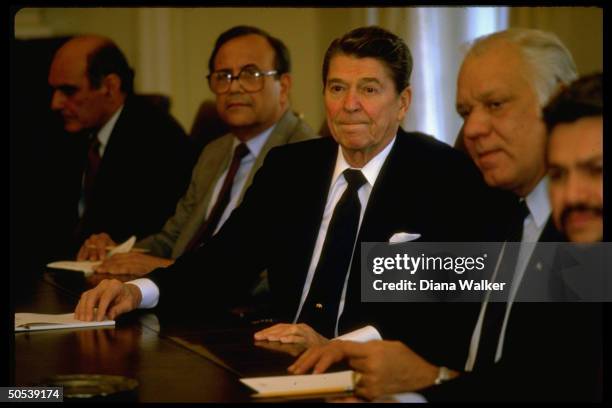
126	162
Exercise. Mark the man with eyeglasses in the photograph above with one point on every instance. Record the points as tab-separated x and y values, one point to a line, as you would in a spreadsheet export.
250	76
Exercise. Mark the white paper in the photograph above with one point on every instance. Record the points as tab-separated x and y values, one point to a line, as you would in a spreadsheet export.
79	266
123	248
87	266
362	335
301	384
37	321
400	237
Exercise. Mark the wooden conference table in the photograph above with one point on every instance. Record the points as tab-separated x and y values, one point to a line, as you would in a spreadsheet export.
173	361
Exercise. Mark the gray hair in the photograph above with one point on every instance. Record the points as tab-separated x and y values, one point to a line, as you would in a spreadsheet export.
551	62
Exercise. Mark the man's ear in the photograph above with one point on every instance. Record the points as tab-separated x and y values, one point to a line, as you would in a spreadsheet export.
405	98
112	85
285	83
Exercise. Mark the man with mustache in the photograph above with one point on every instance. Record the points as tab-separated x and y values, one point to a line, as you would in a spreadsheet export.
574	120
313	203
250	76
126	162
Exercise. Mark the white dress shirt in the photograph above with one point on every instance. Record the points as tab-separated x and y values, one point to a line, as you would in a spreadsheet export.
538	204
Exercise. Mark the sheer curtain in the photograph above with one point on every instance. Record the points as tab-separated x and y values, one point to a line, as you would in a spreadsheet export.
436	37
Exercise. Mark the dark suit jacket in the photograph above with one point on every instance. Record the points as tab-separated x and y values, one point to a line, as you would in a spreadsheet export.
424	186
552	351
144	171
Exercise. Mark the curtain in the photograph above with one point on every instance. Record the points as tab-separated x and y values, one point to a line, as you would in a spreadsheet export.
437	37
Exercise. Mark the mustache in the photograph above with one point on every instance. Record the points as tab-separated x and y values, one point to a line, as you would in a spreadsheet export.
581	207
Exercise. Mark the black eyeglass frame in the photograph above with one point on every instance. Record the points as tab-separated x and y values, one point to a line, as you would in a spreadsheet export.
230	77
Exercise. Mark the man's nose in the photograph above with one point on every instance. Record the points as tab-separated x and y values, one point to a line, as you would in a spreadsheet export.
476	124
235	86
57	100
575	189
351	101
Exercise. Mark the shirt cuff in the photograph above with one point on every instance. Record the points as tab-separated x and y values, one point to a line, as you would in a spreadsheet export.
149	290
362	335
408	397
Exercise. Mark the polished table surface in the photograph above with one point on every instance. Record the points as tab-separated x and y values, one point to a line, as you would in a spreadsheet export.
173	361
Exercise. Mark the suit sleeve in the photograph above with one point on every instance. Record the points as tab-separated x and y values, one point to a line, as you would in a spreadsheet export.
162	243
220	272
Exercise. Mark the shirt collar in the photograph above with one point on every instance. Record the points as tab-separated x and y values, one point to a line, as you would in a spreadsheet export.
370	170
538	202
256	143
106	130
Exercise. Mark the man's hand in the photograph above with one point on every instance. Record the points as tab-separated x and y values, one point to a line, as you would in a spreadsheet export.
132	263
110	298
291	333
94	247
293	349
386	367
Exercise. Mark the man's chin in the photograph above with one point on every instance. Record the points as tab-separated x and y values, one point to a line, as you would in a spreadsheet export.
585	234
239	121
73	128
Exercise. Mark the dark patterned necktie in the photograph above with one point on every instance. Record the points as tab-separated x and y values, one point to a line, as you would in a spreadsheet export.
320	309
209	225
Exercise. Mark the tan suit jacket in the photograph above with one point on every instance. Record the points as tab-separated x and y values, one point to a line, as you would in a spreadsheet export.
191	209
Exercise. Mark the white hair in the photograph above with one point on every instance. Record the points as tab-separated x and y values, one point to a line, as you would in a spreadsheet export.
550	61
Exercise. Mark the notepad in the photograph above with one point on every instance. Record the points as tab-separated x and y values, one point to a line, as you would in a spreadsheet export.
293	385
87	267
37	321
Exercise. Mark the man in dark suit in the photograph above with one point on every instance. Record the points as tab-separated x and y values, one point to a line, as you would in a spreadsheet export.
126	161
538	351
313	203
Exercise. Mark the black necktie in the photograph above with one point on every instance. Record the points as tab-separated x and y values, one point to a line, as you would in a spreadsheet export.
496	310
320	309
209	225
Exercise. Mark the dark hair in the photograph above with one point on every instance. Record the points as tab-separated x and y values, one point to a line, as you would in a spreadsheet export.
374	42
282	61
108	59
582	98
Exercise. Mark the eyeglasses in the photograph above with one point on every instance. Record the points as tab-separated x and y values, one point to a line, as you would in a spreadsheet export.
250	79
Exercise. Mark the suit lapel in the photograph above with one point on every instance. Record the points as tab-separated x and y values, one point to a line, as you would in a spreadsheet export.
280	135
217	154
314	189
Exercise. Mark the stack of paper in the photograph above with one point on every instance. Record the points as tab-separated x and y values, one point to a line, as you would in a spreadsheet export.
293	385
36	321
